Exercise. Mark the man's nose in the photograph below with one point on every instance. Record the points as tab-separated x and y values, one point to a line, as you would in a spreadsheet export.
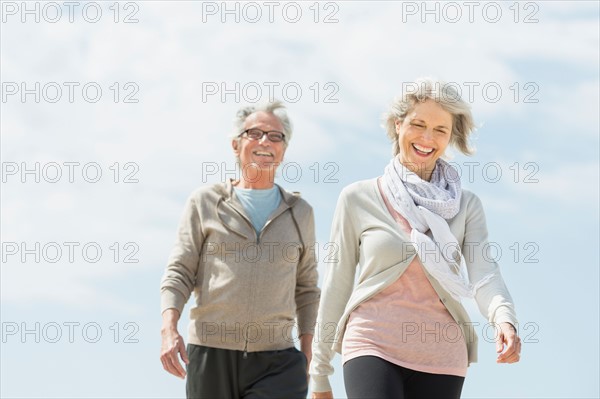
263	139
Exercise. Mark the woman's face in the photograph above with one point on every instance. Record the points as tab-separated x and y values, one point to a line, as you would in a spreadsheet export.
423	137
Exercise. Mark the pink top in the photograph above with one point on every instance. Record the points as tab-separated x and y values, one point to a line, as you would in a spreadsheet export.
407	324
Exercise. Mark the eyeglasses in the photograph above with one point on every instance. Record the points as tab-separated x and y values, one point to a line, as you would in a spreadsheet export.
257	134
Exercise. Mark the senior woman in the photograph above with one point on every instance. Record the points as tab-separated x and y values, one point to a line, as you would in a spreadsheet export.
415	238
245	249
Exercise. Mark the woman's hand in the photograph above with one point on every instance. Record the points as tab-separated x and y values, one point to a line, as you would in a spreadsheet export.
508	335
322	395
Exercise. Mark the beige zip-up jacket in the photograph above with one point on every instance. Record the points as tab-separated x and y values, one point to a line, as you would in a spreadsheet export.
249	290
367	241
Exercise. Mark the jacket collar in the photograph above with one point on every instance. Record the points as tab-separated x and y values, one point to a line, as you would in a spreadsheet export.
228	194
238	221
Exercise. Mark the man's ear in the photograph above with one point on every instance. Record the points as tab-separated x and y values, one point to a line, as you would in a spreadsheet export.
234	145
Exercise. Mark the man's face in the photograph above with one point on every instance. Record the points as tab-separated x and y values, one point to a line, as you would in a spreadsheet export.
262	154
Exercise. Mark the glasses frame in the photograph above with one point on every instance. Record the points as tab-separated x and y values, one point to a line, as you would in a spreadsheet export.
263	135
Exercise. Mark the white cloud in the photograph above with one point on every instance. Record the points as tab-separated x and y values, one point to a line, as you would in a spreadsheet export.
171	132
368	54
574	184
67	286
574	109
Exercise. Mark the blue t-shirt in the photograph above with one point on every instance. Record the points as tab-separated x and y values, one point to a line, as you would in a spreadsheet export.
259	204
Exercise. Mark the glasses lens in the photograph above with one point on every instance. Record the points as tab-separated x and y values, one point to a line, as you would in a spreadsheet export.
275	137
254	134
257	134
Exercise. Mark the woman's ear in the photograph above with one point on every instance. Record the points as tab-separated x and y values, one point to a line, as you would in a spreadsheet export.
398	123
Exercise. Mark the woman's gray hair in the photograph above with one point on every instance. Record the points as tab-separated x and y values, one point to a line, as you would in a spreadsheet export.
446	95
276	108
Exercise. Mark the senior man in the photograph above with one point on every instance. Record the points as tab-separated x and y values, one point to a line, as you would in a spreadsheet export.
245	248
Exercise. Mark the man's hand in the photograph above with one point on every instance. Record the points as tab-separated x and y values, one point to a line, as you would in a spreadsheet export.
306	348
508	335
172	347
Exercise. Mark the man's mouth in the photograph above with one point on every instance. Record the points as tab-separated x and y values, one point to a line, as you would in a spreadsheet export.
263	154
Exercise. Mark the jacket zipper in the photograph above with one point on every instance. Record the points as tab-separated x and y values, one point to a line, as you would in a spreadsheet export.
253	271
258	235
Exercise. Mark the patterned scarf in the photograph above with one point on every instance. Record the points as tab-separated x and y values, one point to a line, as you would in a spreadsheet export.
427	205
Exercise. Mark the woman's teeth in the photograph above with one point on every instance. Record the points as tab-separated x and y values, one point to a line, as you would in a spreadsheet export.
423	150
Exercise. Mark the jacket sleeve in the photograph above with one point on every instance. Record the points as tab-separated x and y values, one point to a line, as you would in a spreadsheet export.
179	278
340	261
307	291
493	298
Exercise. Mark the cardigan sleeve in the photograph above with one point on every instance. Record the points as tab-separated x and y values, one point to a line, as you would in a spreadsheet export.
337	288
493	299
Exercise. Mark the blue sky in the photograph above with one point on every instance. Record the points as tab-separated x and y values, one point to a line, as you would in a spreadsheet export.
167	133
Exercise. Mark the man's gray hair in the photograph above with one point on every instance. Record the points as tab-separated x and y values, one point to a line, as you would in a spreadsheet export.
446	95
276	108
